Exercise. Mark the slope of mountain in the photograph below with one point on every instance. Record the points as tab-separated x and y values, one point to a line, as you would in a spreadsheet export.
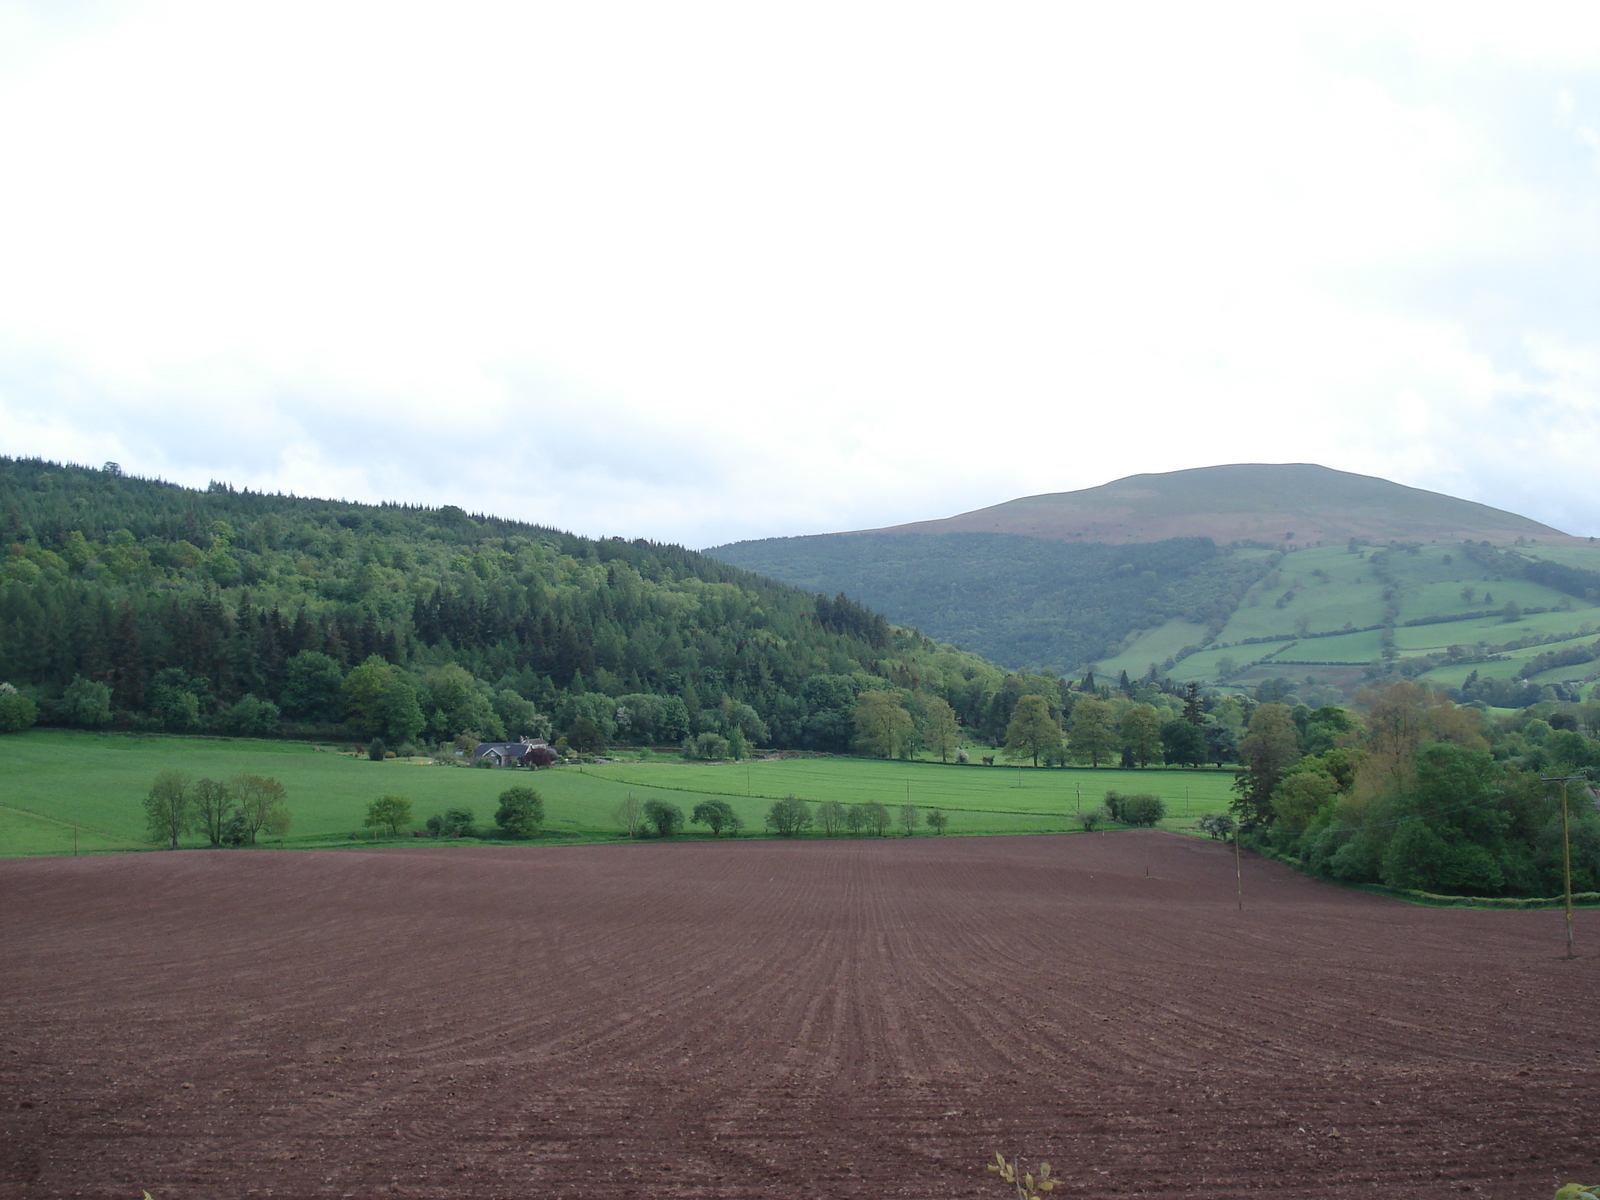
1287	570
1288	504
184	609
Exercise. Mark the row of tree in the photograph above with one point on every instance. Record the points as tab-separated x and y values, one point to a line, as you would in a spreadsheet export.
231	812
788	817
519	816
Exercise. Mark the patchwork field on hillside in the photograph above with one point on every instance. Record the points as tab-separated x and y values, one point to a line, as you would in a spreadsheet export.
1300	609
766	1019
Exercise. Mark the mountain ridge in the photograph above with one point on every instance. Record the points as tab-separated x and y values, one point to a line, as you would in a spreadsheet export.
1289	504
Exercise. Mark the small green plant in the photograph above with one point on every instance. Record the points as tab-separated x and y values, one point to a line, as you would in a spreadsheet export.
1578	1191
1028	1187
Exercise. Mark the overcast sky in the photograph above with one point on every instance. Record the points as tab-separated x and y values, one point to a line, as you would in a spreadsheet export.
702	272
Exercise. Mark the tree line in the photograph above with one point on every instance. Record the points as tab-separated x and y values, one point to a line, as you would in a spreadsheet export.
1411	790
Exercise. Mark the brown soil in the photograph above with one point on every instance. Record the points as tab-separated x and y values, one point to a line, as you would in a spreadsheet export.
861	1018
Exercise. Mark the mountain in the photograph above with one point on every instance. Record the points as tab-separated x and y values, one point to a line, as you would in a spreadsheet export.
1230	576
1290	504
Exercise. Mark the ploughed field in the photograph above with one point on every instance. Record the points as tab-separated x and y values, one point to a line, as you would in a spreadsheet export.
760	1018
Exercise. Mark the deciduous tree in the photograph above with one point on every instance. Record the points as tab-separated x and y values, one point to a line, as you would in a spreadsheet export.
943	734
910	818
882	723
1140	732
388	812
716	815
789	817
169	807
1270	746
629	813
1092	733
1032	730
213	805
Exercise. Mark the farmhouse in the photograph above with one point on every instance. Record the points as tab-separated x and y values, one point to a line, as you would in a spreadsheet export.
529	752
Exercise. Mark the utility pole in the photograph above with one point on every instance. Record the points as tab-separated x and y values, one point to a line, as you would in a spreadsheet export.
1238	867
1566	846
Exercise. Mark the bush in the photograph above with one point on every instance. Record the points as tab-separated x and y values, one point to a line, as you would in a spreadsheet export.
251	717
17	712
376	750
708	746
666	819
1139	808
789	817
86	703
1092	818
1216	825
453	823
520	814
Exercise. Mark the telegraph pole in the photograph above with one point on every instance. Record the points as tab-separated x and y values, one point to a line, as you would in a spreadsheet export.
1566	847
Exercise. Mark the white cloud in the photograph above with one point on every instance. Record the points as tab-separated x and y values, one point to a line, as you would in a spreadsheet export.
744	270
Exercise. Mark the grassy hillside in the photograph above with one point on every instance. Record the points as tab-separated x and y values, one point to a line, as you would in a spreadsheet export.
1437	613
55	777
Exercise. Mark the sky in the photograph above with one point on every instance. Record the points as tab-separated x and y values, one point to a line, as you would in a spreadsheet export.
700	272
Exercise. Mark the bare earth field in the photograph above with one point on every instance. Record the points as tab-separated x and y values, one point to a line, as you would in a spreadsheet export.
862	1018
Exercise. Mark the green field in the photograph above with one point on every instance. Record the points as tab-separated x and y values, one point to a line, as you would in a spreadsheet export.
1153	646
1331	587
54	777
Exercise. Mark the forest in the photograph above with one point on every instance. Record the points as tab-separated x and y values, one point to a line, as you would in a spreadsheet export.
1028	602
139	604
1409	790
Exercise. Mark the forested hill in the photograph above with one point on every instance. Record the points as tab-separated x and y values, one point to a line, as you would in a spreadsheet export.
249	612
1022	601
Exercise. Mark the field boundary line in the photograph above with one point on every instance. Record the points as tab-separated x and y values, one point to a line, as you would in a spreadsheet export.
81	825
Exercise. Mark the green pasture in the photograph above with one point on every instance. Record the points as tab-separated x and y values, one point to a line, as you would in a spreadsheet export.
55	777
1153	646
979	799
1584	557
1205	665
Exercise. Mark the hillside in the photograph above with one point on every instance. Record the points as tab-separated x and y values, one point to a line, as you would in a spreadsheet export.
140	604
1404	581
1276	504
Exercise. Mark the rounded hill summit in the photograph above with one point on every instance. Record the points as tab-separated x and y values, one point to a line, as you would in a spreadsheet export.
1274	503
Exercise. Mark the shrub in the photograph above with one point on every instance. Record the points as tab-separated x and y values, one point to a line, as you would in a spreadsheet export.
453	823
1092	818
666	819
1216	825
376	750
17	712
1142	808
1138	808
520	814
